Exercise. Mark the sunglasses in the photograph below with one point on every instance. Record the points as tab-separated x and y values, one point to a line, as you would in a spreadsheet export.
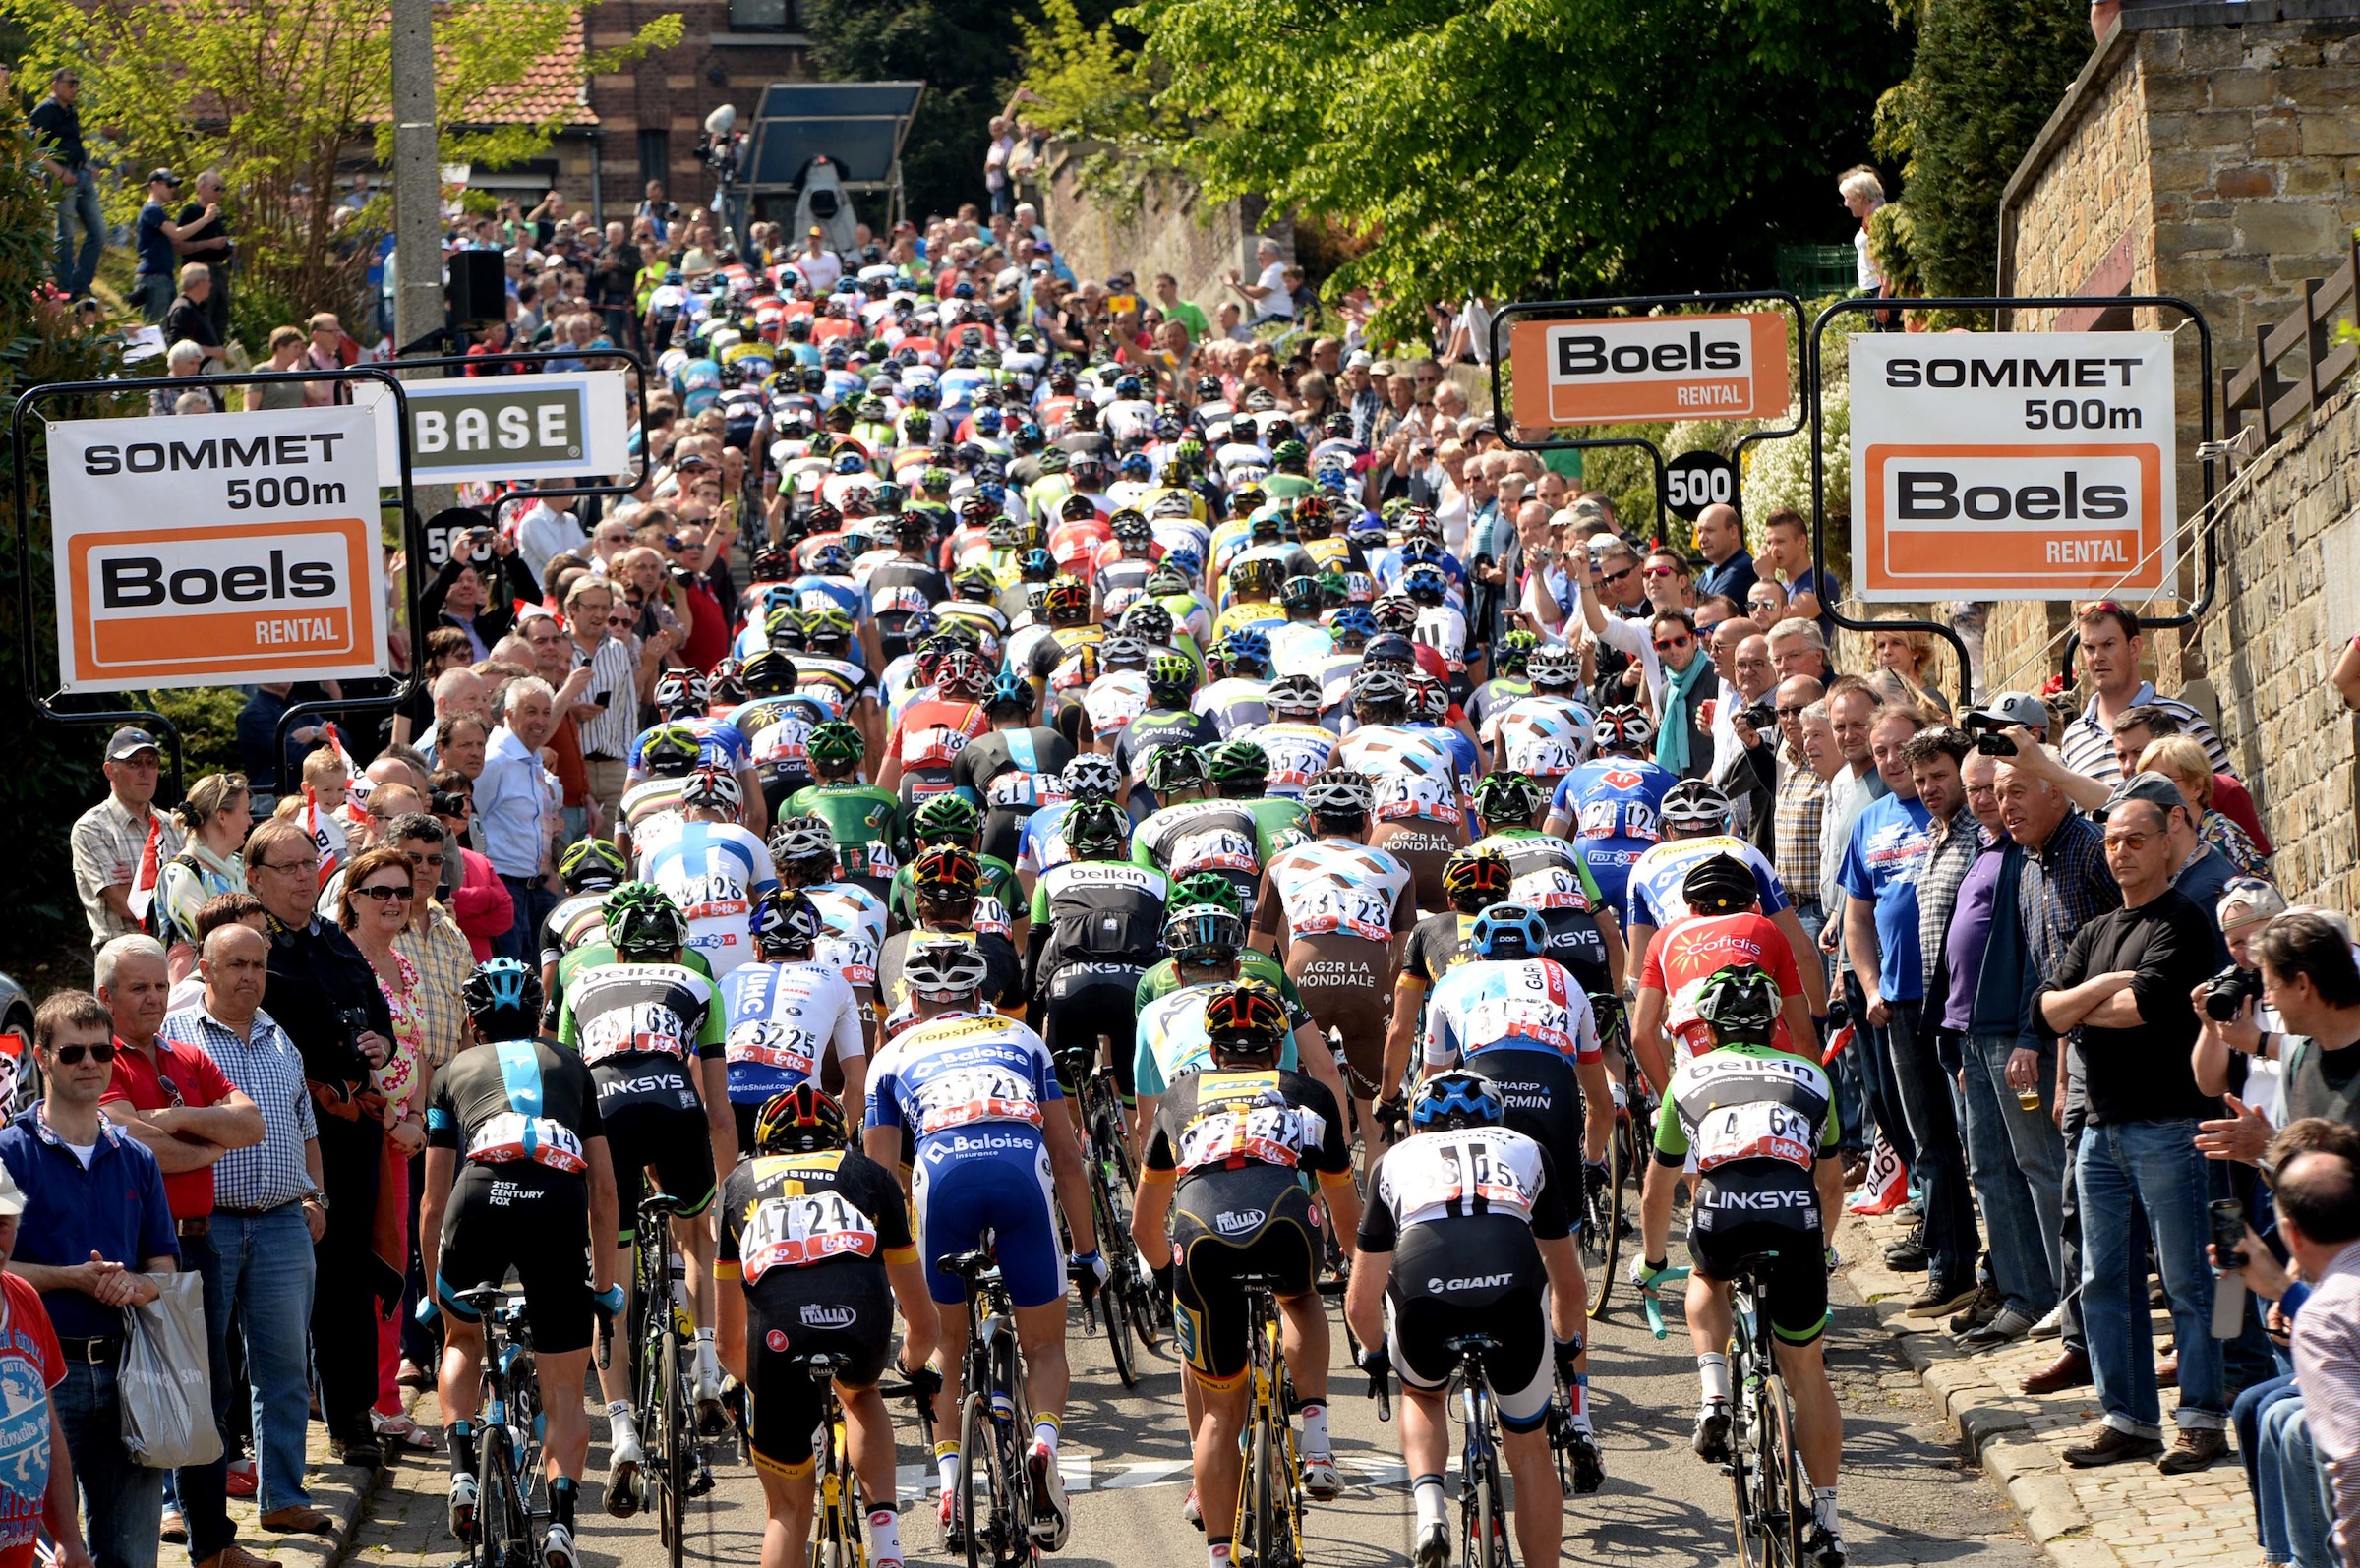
2132	842
383	891
425	859
1610	578
1665	645
1660	571
1790	713
69	1054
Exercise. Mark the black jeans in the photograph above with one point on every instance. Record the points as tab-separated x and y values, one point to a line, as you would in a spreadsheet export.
344	1301
204	1494
1940	1165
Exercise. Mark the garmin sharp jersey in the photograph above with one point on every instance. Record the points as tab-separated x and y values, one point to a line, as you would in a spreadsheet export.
616	1010
1614	806
714	871
961	1081
1331	884
1756	1121
1655	897
1508	1003
1432	1178
784	1018
829	1208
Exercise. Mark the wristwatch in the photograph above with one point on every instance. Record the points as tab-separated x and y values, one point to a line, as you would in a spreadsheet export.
316	1196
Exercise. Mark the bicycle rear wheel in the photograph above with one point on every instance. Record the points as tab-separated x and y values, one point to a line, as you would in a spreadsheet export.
1484	1531
496	1544
1743	1482
991	1527
1603	1223
671	1437
1785	1492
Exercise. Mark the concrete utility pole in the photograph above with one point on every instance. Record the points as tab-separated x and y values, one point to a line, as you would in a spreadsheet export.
418	307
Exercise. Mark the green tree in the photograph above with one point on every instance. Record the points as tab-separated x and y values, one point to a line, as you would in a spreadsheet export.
1987	76
1523	151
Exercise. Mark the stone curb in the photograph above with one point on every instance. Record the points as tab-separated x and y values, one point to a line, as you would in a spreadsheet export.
336	1489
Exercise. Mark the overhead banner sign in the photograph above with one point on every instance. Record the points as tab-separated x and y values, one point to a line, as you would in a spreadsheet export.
570	425
1628	368
218	550
2012	465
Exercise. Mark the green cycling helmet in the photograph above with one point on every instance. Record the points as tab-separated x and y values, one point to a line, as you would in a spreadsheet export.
1236	762
592	866
1171	675
1507	796
643	923
1511	651
1208	887
835	740
946	816
1739	1004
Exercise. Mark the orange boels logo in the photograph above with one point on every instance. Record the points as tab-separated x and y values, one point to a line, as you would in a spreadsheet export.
2012	465
231	550
1652	366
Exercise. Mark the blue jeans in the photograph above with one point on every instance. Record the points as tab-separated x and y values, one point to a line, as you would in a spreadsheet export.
534	902
77	203
2310	1513
2153	1167
265	1269
1940	1168
2246	1414
2017	1161
203	1495
123	1498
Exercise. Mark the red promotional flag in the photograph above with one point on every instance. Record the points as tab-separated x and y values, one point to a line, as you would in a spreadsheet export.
310	824
142	883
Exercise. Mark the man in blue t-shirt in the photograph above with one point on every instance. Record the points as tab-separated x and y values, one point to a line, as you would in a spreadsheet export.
1888	847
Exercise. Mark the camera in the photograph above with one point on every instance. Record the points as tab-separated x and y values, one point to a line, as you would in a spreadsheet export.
1762	717
1988	741
353	1022
2227	993
1612	662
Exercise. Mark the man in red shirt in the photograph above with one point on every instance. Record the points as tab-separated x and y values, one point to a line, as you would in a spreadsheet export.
175	1100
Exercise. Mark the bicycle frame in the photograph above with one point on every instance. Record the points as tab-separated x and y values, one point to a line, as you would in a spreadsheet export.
994	1414
1483	1531
1268	1527
1771	1508
508	1453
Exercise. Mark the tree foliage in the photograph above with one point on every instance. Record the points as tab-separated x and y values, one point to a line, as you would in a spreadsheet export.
1987	76
1532	147
276	92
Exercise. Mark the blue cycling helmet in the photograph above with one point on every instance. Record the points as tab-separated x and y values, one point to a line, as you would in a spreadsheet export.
503	998
1009	692
1457	1099
851	463
1249	647
1509	931
1353	620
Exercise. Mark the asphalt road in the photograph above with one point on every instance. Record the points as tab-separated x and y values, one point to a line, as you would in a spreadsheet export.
1907	1497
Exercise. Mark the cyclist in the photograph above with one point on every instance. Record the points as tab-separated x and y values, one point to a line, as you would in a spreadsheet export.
962	1102
1342	910
948	900
863	821
669	754
1473	880
1206	944
517	1176
953	819
1235	834
1762	1126
1482	1225
1550	876
1235	701
1520	1020
791	1019
684	697
1228	1165
1091	775
1696	827
713	869
1612	805
641	1009
1511	653
1546	734
777	723
930	731
1252	963
1415	802
590	869
1014	767
817	1239
1295	742
1167	720
851	917
1096	922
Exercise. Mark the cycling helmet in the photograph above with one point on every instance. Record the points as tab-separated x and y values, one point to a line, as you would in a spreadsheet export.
1390	647
1720	883
1299	593
1203	933
592	866
1512	652
784	626
773	565
1237	761
1740	1005
1625	726
682	694
503	998
1506	795
1172	677
947	816
1339	793
947	873
976	584
1249	652
1091	776
712	789
1476	878
1509	931
1149	621
832	560
1069	600
1352	626
1097	829
1008	693
943	968
1314	517
644	924
670	750
1077	507
1131	526
803	1120
1120	651
802	843
1170	769
1038	566
1395	613
1695	803
827	624
1208	887
962	675
767	673
1166	579
1296	695
1429	698
785	923
1425	584
1380	689
1554	667
1245	1018
834	740
1422	552
1457	1099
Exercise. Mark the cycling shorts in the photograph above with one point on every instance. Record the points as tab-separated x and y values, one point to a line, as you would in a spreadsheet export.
654	1121
1084	1000
841	1309
1473	1274
1346	983
1544	1103
1798	1274
989	1176
534	1220
1254	1220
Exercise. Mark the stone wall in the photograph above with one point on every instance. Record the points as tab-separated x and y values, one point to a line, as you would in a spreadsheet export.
1174	228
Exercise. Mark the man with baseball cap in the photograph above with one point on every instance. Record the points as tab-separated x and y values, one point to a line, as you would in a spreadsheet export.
110	839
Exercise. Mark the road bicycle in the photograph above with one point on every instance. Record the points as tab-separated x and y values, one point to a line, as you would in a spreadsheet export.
509	1435
1771	1495
840	1537
1127	1302
1482	1489
991	1511
1605	1203
1268	1532
674	1470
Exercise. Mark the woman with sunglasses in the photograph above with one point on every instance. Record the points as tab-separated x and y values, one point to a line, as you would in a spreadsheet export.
377	905
213	823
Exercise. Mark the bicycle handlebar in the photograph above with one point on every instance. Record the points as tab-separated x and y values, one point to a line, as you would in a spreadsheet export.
1379	1391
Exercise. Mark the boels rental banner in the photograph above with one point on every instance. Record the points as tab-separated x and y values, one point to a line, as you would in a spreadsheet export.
1631	368
2012	465
218	550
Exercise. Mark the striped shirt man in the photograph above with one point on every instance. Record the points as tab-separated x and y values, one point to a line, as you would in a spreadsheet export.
265	1064
2088	746
614	675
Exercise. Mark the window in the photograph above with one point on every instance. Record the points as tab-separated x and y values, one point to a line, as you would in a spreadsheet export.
761	16
655	155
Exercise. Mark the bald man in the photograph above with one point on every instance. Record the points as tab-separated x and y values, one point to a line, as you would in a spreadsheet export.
1720	540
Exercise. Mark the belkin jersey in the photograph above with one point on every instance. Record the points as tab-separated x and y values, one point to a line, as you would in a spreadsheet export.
1614	804
1655	895
1755	1121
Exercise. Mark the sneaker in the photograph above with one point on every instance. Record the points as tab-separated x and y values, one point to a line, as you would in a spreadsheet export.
2110	1445
557	1549
1977	1313
953	1526
1907	1258
1824	1546
1191	1512
2009	1325
1589	1465
1711	1441
2195	1448
623	1476
1939	1298
1321	1483
242	1481
463	1506
2050	1324
1052	1517
1433	1549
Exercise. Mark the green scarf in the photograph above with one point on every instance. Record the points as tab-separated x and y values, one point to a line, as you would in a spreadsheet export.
1678	726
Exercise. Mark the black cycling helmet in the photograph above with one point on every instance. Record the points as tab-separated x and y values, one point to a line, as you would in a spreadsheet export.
1740	1005
644	924
1203	933
787	924
1720	883
1097	829
503	998
592	865
1171	768
1457	1099
1506	795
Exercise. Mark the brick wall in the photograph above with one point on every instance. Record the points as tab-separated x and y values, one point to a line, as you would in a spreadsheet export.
1175	228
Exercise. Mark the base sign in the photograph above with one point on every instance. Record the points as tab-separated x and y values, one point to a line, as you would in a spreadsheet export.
2012	465
562	425
217	549
1620	368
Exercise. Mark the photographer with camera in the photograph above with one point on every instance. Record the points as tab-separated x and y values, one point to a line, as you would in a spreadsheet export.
2234	1020
2305	974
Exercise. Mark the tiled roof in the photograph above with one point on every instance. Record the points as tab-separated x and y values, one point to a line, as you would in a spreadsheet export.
550	89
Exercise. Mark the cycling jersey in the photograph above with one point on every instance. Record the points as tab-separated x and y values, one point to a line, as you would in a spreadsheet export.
1413	774
1172	1041
1756	1121
1439	944
1234	703
865	822
999	883
1508	1003
1205	835
616	1011
714	871
1252	964
1297	751
1548	876
1040	843
1334	885
1014	773
1546	736
784	1019
1693	949
1159	727
652	808
781	752
928	735
833	685
1655	896
853	922
719	744
579	919
1614	804
1297	647
1114	700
